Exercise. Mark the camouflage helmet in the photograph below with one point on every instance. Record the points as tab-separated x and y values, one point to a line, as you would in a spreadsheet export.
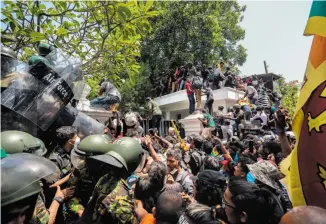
44	49
124	152
18	141
35	59
8	52
20	175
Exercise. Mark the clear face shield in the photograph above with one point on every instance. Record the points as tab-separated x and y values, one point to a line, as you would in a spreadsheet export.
77	160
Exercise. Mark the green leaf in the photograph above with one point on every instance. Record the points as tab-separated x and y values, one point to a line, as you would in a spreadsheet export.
36	36
57	44
61	31
148	5
153	13
125	10
122	16
42	6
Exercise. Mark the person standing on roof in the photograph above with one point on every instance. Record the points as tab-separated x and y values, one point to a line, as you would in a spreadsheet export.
155	113
191	96
209	99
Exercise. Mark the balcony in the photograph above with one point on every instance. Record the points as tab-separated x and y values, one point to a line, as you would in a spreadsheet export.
175	105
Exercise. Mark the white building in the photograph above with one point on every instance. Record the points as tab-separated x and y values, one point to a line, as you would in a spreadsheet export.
175	106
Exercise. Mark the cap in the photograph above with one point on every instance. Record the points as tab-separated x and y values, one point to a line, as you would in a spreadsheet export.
210	177
265	172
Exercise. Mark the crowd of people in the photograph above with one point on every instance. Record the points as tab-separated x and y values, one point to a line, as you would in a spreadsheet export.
150	178
215	76
229	172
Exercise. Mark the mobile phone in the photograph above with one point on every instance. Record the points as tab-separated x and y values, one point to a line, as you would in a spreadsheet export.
251	145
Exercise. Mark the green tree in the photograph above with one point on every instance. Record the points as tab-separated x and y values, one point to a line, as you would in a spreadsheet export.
203	32
105	35
289	91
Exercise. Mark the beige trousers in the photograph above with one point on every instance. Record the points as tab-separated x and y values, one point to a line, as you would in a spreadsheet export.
198	97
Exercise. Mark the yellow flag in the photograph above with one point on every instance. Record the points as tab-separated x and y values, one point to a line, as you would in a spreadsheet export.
306	173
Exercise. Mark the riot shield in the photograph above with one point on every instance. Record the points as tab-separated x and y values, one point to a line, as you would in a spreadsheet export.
87	125
43	89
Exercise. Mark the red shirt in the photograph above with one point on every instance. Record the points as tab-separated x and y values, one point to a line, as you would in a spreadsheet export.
188	88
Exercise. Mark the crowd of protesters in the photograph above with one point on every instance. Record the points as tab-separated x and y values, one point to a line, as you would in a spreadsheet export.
215	77
219	177
228	172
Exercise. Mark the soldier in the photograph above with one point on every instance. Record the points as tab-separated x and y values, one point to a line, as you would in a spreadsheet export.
18	141
66	137
20	186
85	175
111	200
15	142
8	65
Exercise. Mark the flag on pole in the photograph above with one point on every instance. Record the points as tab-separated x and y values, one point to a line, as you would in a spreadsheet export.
306	179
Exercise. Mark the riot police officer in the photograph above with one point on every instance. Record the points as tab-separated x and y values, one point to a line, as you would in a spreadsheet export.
111	200
19	141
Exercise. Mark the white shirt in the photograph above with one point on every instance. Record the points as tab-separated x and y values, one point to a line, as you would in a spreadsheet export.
262	116
227	130
252	92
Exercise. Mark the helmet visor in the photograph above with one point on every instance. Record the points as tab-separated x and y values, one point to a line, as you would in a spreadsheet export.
77	160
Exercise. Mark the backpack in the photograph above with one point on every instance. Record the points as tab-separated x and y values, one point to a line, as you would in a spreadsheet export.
131	119
197	82
196	163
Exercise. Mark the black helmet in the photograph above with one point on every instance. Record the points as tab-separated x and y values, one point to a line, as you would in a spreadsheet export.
124	152
18	141
20	175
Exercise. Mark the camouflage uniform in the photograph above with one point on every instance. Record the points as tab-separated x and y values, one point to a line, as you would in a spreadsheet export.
114	203
84	183
41	214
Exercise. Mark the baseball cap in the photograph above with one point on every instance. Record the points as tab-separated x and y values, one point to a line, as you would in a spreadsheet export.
210	177
265	172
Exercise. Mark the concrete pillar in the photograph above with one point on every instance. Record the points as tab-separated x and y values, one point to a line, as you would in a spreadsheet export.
167	115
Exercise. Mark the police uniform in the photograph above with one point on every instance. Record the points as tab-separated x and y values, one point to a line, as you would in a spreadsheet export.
62	159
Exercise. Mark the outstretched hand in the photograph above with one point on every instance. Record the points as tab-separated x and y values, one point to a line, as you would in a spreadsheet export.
148	140
280	120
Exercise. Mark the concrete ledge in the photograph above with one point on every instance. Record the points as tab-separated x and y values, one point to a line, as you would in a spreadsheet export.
192	125
98	114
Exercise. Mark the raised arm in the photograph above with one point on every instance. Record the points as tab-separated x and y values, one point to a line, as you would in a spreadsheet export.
280	124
